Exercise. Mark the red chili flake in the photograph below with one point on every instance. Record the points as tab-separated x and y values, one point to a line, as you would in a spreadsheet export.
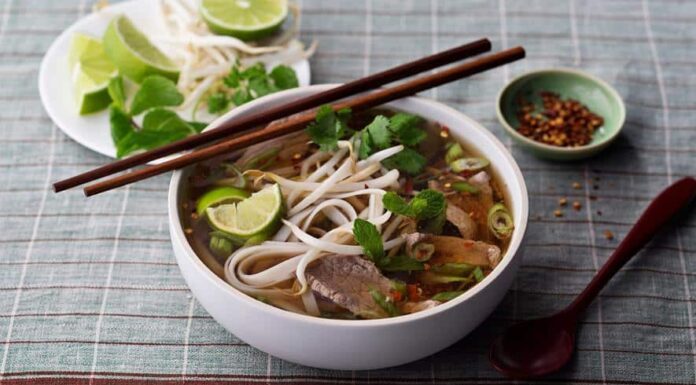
413	292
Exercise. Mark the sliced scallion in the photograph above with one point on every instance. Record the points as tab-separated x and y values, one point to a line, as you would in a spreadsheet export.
454	152
465	187
468	164
220	245
499	221
447	295
456	269
478	274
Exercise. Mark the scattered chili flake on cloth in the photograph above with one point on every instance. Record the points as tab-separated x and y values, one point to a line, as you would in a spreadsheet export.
563	123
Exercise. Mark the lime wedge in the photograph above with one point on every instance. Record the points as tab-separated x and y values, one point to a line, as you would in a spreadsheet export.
220	195
90	72
257	215
244	19
133	54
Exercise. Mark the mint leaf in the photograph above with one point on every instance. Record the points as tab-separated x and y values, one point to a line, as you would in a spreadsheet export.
165	121
284	77
425	205
160	127
198	126
218	102
155	91
117	93
368	237
121	124
407	160
379	132
326	129
407	128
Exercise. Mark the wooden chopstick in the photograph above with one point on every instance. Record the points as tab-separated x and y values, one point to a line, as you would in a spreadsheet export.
264	117
358	103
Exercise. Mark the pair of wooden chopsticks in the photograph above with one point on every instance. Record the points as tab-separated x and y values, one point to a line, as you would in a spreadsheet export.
220	140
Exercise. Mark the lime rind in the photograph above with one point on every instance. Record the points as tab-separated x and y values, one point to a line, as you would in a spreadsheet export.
219	195
91	71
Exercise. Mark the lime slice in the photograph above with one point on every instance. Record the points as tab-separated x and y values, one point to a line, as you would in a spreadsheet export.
257	215
90	71
244	19
133	54
220	195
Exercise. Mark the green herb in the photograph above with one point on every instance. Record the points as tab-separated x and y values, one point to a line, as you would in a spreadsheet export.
241	86
407	128
365	148
328	127
218	102
478	274
447	295
198	126
408	160
385	303
399	286
367	235
434	225
431	278
117	93
155	91
426	204
400	263
379	132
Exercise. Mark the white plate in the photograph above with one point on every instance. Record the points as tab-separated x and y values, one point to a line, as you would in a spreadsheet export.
92	131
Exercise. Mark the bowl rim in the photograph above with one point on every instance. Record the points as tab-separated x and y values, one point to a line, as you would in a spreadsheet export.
177	232
562	150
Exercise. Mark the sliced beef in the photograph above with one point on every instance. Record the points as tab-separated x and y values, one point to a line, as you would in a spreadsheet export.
461	219
477	205
346	280
458	250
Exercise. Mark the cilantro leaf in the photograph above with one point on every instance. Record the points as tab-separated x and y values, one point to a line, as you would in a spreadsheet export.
256	70
240	97
365	148
261	86
155	91
218	102
379	132
407	160
401	263
284	77
327	128
426	204
407	128
233	78
367	235
117	93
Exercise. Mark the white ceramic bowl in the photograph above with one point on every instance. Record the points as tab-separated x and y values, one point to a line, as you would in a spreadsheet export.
363	344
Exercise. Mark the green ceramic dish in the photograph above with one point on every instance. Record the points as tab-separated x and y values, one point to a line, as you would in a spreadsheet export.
589	90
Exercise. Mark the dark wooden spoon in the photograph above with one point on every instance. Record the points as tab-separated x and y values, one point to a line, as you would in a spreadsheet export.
542	346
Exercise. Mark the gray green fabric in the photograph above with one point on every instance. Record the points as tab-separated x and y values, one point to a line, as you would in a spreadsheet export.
89	287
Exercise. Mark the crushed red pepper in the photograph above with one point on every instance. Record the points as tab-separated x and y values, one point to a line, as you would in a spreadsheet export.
562	122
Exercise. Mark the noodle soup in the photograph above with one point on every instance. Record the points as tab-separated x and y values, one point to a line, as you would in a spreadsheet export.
362	216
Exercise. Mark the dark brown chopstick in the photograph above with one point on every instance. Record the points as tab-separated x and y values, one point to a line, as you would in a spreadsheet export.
357	103
281	111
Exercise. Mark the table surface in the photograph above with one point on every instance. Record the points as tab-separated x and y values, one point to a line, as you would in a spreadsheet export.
89	288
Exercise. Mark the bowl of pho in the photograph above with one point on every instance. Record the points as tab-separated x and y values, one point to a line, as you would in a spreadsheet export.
367	240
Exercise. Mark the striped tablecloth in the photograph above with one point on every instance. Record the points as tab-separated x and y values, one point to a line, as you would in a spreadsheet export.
90	292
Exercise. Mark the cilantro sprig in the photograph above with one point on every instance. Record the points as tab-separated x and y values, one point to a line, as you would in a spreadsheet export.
328	127
244	85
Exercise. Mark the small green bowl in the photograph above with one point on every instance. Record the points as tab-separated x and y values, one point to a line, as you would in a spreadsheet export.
589	90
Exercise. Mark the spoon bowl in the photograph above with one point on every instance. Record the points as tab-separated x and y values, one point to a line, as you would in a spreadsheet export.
535	347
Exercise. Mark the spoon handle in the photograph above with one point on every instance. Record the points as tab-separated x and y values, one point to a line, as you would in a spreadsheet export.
669	203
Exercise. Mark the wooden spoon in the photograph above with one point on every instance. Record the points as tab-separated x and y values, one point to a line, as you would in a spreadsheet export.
541	346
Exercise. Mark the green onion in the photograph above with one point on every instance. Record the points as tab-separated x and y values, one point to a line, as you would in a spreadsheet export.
499	221
385	303
430	278
454	152
456	269
465	187
399	286
447	295
478	274
220	245
399	263
468	164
